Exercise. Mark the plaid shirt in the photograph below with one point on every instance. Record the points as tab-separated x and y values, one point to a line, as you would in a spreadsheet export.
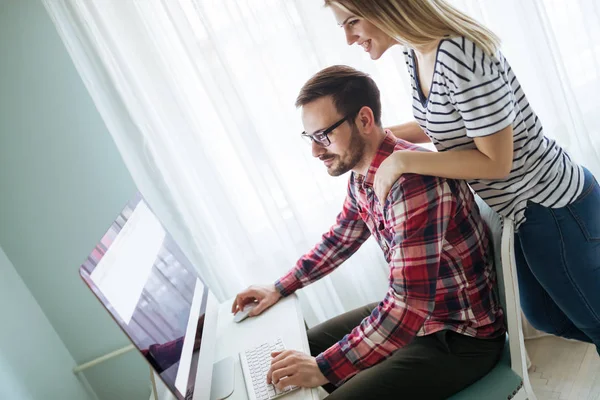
441	274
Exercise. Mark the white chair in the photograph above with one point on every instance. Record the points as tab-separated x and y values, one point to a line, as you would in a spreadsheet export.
509	379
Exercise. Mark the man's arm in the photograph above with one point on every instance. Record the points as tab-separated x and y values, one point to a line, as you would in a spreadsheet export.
343	239
419	212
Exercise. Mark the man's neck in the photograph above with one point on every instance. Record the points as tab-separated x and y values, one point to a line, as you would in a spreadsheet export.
371	150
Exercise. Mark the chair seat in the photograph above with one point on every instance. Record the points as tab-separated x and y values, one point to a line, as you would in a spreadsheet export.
501	383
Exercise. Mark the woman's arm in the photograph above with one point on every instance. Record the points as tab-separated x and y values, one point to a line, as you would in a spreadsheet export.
411	132
491	160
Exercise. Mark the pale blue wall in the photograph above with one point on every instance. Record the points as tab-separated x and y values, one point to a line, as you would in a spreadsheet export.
62	182
34	363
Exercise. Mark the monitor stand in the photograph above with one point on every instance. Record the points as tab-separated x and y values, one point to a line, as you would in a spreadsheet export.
223	379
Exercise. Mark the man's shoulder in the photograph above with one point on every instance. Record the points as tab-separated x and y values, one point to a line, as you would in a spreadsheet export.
428	189
409	184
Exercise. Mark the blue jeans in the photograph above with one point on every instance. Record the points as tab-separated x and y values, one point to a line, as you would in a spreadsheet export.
558	264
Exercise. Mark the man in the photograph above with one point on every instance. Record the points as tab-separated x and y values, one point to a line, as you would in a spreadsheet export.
439	327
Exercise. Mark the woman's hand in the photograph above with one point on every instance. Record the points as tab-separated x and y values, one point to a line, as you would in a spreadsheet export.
388	173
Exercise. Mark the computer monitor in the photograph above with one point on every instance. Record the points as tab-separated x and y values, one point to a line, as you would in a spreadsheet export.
153	292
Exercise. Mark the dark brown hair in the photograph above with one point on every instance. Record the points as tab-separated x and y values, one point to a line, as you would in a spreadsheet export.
349	88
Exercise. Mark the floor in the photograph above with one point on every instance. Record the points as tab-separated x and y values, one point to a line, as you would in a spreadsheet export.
564	370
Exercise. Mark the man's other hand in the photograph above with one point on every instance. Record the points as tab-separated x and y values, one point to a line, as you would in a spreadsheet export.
294	368
265	295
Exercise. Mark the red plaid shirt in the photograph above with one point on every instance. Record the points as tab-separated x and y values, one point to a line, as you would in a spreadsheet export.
441	274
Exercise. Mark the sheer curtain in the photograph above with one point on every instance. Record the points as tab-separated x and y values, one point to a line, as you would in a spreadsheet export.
198	96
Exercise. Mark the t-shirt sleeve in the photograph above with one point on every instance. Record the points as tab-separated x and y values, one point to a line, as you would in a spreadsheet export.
480	93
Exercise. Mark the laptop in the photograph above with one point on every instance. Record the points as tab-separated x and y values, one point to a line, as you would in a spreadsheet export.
155	295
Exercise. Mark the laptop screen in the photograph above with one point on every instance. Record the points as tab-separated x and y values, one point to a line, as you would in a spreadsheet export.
153	293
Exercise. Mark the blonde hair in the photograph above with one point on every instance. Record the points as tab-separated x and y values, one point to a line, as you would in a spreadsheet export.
420	22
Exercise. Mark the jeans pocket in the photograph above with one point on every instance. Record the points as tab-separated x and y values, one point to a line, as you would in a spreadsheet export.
586	211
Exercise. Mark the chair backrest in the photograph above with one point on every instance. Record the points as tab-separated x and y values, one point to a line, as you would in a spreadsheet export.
502	237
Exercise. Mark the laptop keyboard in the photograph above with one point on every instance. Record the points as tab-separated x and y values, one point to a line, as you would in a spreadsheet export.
255	364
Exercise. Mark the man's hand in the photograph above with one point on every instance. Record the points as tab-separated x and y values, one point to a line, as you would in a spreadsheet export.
265	295
294	368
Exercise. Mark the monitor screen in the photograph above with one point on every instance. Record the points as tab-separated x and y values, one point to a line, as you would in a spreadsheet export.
153	292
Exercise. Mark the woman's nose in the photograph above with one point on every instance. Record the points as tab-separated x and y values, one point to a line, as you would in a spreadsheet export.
350	36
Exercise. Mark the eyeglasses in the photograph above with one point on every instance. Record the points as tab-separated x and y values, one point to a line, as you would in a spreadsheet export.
322	138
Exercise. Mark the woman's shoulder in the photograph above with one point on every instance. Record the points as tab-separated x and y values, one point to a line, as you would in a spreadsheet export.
464	58
459	50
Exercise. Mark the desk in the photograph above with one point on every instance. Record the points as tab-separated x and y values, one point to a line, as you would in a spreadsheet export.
283	320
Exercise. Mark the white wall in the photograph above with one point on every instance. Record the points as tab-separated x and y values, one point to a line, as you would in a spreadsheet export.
34	363
62	183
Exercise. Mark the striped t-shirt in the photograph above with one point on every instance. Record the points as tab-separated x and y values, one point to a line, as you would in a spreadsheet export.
474	95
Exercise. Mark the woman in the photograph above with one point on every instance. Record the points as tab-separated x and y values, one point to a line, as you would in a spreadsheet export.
468	102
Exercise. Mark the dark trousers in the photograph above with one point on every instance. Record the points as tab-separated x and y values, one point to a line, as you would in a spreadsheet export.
430	367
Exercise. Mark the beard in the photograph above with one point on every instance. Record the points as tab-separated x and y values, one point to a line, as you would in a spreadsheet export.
347	161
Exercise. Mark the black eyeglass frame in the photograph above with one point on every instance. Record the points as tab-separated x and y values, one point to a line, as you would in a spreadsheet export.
322	138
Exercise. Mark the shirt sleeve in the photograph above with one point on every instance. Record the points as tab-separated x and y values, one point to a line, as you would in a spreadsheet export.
343	239
419	214
479	89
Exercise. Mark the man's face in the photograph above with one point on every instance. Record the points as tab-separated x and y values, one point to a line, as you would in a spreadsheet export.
347	144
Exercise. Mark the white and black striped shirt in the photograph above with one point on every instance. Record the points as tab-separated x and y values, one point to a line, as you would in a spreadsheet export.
474	95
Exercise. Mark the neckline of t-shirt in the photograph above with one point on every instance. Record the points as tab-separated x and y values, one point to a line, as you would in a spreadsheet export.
422	99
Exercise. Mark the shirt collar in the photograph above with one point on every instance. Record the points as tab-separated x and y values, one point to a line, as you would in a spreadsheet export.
386	148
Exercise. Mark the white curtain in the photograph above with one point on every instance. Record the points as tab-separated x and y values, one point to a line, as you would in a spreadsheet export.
199	98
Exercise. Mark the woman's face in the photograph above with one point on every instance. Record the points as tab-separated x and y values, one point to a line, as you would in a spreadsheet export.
360	31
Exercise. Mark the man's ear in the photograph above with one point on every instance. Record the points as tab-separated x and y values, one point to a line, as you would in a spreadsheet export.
366	119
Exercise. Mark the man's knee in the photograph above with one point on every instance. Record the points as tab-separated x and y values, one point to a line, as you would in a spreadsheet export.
317	340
